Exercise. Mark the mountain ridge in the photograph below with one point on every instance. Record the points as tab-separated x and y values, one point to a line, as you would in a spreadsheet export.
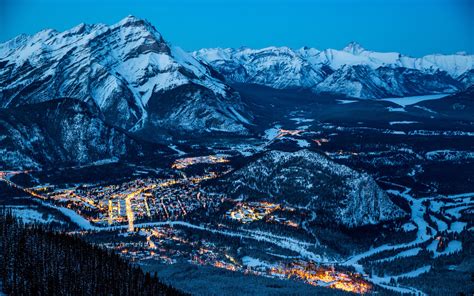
310	68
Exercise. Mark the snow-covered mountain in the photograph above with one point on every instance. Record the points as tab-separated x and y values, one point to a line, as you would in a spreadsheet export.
362	81
333	192
137	79
278	67
355	54
352	71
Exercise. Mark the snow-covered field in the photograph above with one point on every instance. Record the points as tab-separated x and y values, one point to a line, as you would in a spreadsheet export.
392	109
302	143
402	122
254	262
272	133
346	101
403	254
299	120
31	215
75	217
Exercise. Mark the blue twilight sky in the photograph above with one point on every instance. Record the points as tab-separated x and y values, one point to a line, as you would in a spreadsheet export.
414	27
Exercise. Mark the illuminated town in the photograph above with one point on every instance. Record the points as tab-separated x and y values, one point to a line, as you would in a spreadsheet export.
143	199
285	132
322	276
170	245
247	212
135	202
188	161
253	211
321	141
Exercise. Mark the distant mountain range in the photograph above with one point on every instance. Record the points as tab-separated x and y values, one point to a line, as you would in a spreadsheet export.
352	71
144	85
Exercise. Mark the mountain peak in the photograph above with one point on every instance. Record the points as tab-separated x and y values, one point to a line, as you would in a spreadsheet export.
79	29
130	19
138	25
133	21
354	48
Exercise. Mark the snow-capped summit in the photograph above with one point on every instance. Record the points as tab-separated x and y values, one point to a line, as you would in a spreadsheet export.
136	78
131	20
315	69
353	48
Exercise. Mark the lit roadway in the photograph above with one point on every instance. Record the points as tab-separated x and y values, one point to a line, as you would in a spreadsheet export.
5	176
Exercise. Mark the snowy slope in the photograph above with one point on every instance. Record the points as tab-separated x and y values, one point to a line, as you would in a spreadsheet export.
339	71
120	68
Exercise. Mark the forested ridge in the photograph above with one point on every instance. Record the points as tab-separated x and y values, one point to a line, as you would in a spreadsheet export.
35	260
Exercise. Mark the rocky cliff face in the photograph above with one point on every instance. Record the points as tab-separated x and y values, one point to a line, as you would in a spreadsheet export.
334	192
127	70
60	132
